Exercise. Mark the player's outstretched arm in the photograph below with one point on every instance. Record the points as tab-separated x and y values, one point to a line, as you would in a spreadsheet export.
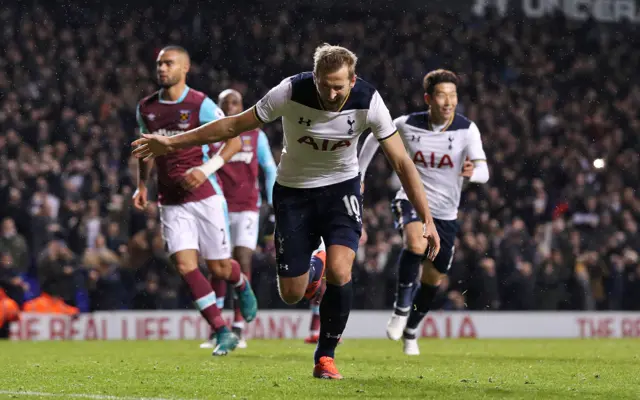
400	161
150	146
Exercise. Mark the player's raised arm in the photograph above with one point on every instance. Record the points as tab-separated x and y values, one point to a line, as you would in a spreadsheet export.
383	127
266	110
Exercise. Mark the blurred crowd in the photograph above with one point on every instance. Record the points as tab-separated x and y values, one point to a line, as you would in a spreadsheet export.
552	229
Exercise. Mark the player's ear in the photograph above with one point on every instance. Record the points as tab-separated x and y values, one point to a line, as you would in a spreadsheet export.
353	80
427	99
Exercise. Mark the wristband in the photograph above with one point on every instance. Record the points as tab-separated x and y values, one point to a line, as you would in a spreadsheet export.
211	166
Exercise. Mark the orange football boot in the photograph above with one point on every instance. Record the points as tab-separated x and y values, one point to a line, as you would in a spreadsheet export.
326	369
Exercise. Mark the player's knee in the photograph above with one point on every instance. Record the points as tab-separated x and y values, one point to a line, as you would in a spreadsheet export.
220	269
244	255
430	275
292	289
415	242
339	274
184	268
416	247
290	295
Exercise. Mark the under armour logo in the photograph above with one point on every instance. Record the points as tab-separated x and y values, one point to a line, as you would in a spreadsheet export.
330	336
283	267
302	121
350	122
450	142
415	138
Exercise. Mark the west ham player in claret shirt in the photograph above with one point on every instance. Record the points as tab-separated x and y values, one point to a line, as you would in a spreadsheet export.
446	148
317	190
239	179
192	207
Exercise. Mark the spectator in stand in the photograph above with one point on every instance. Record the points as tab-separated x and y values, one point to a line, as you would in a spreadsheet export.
15	245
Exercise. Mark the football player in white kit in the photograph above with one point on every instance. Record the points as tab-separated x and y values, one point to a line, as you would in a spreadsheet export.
446	148
317	191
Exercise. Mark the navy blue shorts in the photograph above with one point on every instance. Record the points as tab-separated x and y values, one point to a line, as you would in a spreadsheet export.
404	213
303	216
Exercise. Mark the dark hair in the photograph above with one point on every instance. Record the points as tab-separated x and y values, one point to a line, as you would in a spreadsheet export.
438	76
177	48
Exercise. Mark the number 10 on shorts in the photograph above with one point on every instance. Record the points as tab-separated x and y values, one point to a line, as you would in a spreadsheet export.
353	206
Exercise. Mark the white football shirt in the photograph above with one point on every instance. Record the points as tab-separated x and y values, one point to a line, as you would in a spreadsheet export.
321	147
438	156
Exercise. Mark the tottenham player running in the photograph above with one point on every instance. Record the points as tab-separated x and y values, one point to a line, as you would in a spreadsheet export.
440	143
192	208
240	184
317	190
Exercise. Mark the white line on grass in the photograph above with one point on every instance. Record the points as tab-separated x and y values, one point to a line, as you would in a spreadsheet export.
81	396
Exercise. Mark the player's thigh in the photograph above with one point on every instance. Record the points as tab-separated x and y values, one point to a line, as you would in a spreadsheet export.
244	228
296	234
447	230
179	228
406	220
340	214
213	227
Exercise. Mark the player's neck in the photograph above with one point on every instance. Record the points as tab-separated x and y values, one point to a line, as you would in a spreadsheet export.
438	120
174	92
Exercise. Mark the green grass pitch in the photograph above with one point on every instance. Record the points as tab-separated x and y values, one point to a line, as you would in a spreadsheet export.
281	369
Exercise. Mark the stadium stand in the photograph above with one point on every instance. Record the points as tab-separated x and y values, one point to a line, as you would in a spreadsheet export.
557	104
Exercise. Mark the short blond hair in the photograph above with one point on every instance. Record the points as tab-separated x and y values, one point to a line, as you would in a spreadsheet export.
330	58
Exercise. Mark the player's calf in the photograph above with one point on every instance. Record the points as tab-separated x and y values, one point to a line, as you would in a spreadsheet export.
411	256
204	297
314	327
229	270
431	278
336	302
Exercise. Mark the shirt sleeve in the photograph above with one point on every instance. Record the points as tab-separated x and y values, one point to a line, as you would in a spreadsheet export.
273	104
209	111
474	144
268	165
379	119
141	125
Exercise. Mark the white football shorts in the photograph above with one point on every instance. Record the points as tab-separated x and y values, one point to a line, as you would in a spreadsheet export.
244	228
201	225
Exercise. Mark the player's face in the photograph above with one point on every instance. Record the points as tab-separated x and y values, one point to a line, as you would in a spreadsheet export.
231	104
443	102
334	87
171	68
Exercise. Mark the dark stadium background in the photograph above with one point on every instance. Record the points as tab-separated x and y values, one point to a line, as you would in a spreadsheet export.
550	96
